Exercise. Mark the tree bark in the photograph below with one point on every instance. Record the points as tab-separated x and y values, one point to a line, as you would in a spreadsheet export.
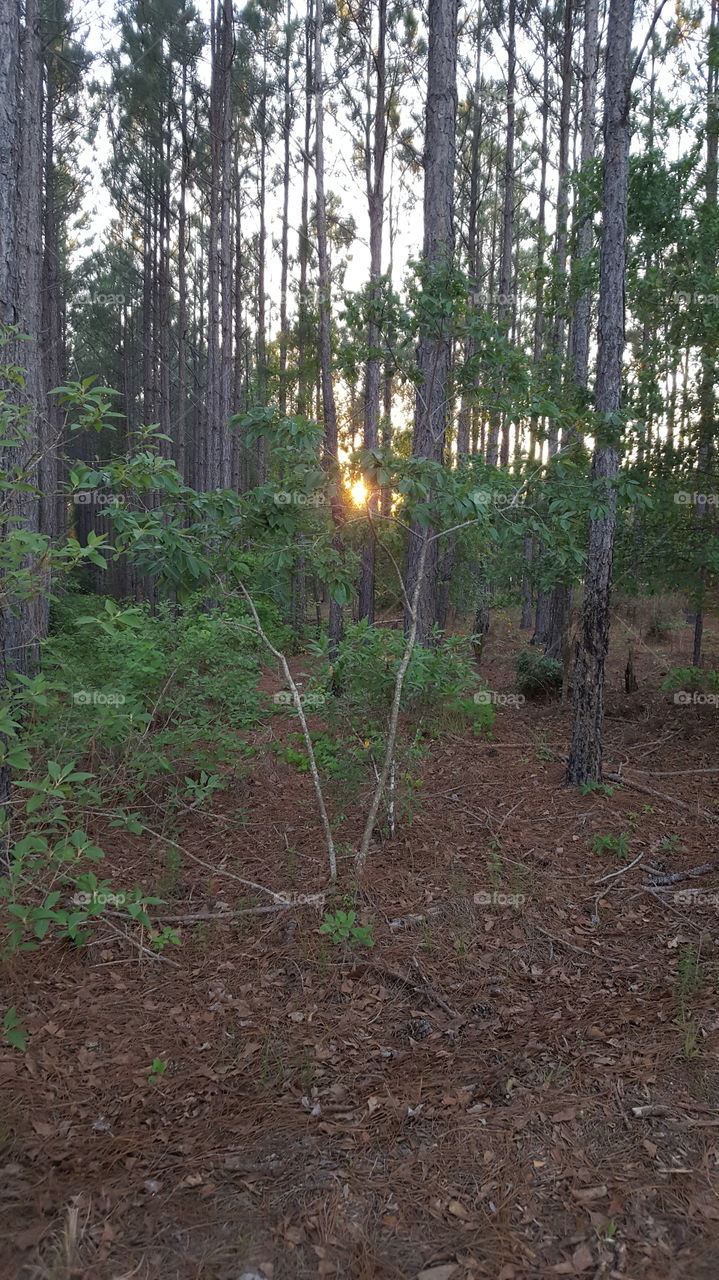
585	756
505	309
707	400
435	349
329	408
583	231
374	168
284	269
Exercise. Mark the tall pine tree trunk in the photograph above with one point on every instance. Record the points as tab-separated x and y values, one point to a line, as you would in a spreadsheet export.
284	269
585	756
329	408
505	309
434	355
708	375
375	159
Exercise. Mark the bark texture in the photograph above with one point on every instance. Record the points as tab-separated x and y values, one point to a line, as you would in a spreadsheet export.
435	349
585	756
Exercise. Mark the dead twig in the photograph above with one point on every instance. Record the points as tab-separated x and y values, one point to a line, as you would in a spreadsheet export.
218	915
563	942
622	870
127	937
672	877
660	795
425	989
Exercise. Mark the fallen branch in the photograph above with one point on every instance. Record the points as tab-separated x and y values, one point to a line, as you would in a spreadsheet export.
127	937
218	871
424	989
622	870
672	877
649	791
563	942
315	901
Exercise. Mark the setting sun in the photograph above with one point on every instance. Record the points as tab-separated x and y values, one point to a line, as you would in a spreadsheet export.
359	493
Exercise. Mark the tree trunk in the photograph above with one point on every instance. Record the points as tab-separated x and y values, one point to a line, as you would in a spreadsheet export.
473	263
26	624
708	356
304	392
505	310
284	269
329	408
434	354
585	756
583	231
374	162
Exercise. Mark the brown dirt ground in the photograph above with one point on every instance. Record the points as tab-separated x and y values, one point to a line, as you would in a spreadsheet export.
511	1091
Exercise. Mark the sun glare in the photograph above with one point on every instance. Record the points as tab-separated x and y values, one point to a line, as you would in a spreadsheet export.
359	493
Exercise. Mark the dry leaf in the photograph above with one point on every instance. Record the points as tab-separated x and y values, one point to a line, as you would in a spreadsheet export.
582	1258
708	1208
439	1273
456	1208
569	1113
590	1194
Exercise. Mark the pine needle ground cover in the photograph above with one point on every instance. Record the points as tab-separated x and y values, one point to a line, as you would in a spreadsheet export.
516	1078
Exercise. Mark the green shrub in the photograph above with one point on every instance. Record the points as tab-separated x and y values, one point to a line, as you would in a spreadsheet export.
691	678
537	675
366	670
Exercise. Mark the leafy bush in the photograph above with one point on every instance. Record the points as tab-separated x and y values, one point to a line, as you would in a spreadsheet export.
537	675
691	678
366	670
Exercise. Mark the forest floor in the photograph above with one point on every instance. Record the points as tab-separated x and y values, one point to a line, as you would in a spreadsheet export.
518	1081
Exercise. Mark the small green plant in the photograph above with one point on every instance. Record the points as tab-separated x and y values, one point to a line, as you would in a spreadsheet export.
272	1065
537	676
689	974
13	1030
460	944
341	926
494	864
608	1233
428	940
591	788
201	789
690	1035
612	844
158	1067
